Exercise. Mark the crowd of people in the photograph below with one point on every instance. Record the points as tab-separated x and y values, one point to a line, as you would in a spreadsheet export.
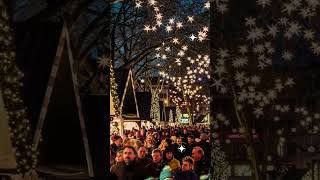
164	153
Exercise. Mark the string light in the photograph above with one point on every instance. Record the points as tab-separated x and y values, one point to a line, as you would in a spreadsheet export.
11	86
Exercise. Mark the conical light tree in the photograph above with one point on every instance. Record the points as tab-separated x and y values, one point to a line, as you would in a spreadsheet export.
170	116
114	94
178	113
155	107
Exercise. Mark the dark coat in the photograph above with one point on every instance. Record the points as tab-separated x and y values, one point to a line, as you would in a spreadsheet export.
202	167
144	161
185	175
206	146
154	169
122	171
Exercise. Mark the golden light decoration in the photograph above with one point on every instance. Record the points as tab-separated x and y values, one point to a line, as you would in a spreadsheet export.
11	86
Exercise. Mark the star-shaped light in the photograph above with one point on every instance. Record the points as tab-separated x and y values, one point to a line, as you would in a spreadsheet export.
250	21
309	34
156	9
159	23
175	41
147	28
287	55
138	4
273	30
290	82
159	16
294	28
283	21
207	5
288	8
193	37
315	48
255	79
217	84
264	3
190	19
205	29
103	62
154	28
171	21
184	48
243	49
181	53
179	25
168	28
222	8
152	2
201	38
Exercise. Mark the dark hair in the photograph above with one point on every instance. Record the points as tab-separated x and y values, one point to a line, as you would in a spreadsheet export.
191	136
168	149
169	141
130	147
116	137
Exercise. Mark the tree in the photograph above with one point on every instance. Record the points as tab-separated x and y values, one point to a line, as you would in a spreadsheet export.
155	107
170	116
253	72
178	114
11	88
177	32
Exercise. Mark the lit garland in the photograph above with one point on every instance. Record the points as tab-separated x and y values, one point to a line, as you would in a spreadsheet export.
10	83
181	33
114	94
219	163
155	107
170	116
178	113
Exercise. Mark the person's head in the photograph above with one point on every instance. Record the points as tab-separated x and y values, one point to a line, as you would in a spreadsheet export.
119	156
168	153
179	141
197	153
129	155
142	130
156	155
169	141
142	152
117	140
155	135
127	142
187	163
137	143
190	139
149	143
174	139
203	136
185	131
164	144
137	133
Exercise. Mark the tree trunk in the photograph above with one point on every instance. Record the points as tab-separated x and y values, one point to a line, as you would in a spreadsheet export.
248	138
